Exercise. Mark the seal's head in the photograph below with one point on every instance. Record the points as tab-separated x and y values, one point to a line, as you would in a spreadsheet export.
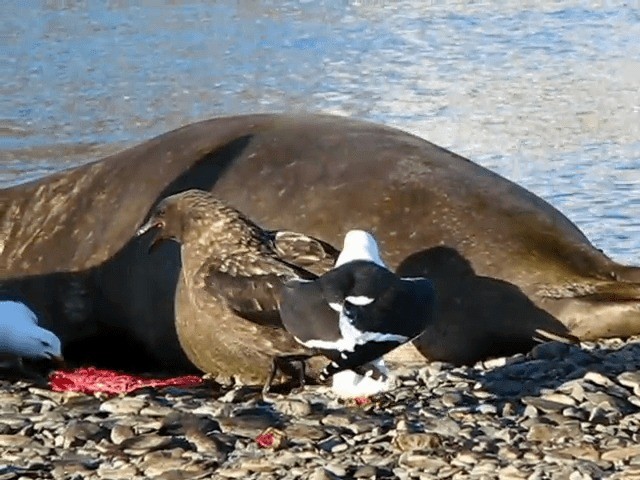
359	245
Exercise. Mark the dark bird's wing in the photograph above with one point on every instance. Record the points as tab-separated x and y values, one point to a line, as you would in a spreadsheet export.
305	251
253	296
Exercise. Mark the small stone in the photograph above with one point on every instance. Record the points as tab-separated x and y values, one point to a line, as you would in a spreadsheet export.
482	395
443	426
337	420
366	425
425	463
543	405
141	444
12	423
631	380
154	409
508	452
451	399
262	464
465	459
203	443
79	432
540	433
232	473
598	379
322	474
578	476
295	408
508	410
603	415
234	395
603	400
577	392
487	409
561	398
578	413
408	442
494	363
366	471
484	468
337	470
249	422
64	470
340	447
304	433
120	433
158	463
117	472
511	473
57	397
332	444
621	453
550	351
448	471
580	452
123	406
14	441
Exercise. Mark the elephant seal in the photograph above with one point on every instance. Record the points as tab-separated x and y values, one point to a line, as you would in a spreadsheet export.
66	241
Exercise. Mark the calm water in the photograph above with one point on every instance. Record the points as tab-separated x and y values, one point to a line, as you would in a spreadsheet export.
545	93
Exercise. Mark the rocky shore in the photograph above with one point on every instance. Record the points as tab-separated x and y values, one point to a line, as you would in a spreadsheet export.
559	412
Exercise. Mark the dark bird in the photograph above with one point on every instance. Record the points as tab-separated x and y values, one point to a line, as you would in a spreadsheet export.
227	313
358	311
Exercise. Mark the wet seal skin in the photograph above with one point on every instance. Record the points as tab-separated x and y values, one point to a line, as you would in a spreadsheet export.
67	240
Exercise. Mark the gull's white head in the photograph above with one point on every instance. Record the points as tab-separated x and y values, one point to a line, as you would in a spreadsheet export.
359	245
21	336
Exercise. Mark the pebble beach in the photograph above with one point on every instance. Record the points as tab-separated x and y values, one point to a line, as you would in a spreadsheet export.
559	412
544	93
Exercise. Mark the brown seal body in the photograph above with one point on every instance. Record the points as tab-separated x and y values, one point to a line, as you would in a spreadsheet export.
67	240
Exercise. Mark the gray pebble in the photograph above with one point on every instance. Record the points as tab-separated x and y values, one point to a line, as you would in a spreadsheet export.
123	406
141	444
120	433
366	471
631	380
321	473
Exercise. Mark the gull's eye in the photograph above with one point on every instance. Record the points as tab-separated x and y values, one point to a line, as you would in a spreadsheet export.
44	343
